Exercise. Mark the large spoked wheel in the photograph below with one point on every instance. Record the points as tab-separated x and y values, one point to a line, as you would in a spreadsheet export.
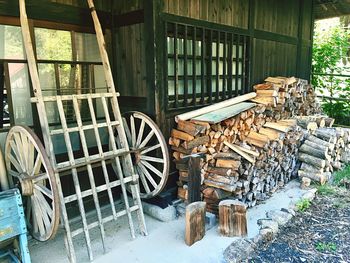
29	169
149	152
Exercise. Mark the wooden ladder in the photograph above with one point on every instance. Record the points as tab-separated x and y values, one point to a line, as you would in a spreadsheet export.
118	153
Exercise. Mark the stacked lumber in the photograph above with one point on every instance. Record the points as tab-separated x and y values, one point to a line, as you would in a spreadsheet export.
287	97
325	150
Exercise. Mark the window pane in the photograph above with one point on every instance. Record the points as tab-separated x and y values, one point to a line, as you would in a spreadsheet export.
53	44
11	45
19	80
87	47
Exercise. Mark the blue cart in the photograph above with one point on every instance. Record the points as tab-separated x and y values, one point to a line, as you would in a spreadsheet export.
13	230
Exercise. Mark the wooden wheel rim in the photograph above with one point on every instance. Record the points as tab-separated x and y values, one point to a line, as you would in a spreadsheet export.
142	165
25	157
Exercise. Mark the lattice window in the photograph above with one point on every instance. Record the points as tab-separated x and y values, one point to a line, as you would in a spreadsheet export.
204	65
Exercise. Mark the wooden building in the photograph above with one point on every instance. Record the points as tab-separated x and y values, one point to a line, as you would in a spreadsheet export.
168	56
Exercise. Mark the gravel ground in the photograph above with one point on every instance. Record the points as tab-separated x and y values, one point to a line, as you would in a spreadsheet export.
319	234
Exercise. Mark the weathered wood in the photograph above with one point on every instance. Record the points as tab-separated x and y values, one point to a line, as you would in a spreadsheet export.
224	163
196	142
195	222
305	182
223	104
221	114
219	171
319	177
194	180
240	152
232	218
181	135
190	127
317	162
329	122
323	154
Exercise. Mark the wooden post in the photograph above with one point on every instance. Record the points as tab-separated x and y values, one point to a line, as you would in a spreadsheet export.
195	222
194	179
232	218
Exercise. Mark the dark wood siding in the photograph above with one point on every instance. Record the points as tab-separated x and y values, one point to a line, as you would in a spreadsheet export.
226	12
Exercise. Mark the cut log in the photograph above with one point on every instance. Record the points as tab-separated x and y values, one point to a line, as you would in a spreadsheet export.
219	171
316	152
196	142
240	152
329	122
305	182
224	163
320	177
181	135
190	127
317	162
195	222
232	218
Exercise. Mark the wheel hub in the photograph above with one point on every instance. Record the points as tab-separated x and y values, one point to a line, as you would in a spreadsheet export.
26	184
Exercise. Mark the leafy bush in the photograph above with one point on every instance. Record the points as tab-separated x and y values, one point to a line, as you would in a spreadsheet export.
329	50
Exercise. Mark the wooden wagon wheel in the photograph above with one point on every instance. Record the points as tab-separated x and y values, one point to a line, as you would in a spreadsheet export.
29	169
149	152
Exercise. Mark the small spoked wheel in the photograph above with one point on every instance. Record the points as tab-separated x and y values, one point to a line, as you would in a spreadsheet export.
29	168
149	152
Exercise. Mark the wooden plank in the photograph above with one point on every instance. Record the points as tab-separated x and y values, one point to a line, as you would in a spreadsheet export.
194	180
224	113
195	222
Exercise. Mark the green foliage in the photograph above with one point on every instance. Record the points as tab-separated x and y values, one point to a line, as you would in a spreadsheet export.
342	174
323	247
325	189
329	52
303	204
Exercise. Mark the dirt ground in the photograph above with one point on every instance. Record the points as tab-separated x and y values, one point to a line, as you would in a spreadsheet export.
319	233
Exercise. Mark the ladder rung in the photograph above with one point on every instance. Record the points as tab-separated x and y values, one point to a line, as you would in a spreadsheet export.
78	96
63	166
84	127
104	220
100	188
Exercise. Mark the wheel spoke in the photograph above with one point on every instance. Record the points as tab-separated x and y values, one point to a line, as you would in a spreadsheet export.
18	158
152	168
146	140
15	163
140	135
44	203
133	132
143	179
31	154
44	190
43	213
36	166
149	149
37	216
19	144
24	141
152	159
148	175
39	177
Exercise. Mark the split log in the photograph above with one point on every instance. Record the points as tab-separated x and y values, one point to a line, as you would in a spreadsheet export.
319	177
232	218
181	135
224	163
190	127
240	152
196	142
195	222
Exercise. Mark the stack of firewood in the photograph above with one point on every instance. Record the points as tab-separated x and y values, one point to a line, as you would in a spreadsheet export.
325	149
287	97
251	154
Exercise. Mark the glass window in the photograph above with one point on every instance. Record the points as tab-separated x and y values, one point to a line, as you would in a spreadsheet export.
11	45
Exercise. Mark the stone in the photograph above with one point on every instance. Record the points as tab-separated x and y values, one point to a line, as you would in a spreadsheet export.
210	220
288	210
239	250
279	216
163	214
266	234
268	223
310	195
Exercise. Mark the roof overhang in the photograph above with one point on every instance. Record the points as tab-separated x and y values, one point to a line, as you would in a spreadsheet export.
331	8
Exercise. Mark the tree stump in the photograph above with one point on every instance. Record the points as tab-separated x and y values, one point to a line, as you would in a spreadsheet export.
232	218
195	222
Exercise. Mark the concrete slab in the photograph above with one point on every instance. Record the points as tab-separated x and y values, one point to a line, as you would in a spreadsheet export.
165	242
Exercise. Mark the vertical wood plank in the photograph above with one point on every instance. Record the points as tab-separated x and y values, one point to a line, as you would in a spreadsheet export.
194	180
194	73
185	77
